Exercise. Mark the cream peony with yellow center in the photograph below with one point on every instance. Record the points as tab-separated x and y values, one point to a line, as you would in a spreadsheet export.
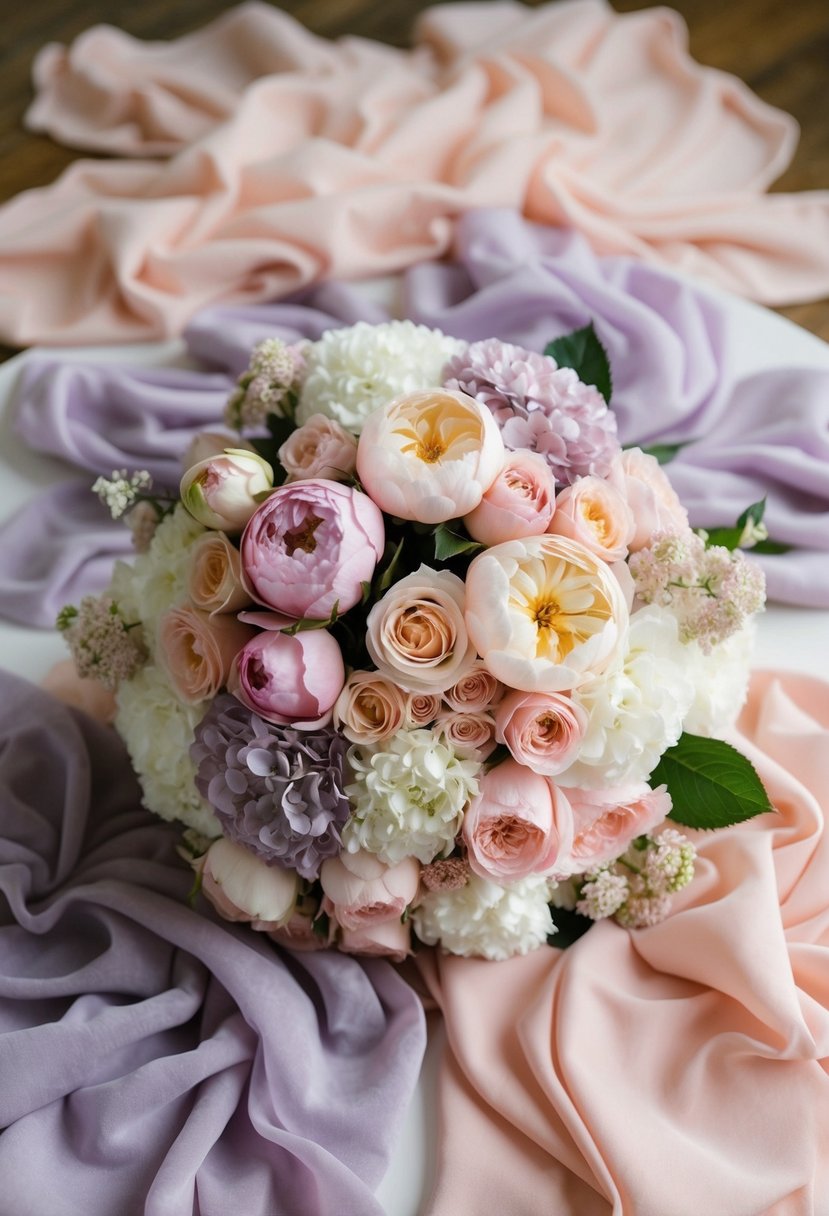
544	613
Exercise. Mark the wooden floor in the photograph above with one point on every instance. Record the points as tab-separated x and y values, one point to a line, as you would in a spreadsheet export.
779	47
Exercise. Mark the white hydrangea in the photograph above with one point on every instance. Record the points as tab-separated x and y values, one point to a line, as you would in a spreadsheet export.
351	372
485	919
158	730
720	680
408	796
637	710
156	581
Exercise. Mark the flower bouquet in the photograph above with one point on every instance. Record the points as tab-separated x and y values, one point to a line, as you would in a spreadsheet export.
422	655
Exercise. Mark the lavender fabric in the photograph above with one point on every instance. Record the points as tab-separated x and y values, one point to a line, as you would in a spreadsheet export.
154	1058
670	345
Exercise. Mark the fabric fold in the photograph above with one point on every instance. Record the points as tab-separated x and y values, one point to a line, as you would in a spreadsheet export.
295	159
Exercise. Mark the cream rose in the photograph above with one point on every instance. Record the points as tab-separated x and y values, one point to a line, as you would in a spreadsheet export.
241	887
369	708
198	650
542	730
430	456
416	634
319	448
545	613
215	575
520	501
593	513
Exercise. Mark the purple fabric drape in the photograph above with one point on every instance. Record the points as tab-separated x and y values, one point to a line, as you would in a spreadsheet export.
155	1059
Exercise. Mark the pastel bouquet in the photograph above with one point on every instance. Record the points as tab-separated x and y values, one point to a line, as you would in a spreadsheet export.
422	655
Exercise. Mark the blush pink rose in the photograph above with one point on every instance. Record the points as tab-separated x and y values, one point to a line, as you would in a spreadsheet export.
592	512
653	501
361	890
241	887
543	730
319	448
416	634
311	546
369	708
422	708
606	822
471	735
215	575
474	691
519	824
197	650
520	501
385	939
289	680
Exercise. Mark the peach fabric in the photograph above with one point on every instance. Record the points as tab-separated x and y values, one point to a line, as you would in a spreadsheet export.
297	159
679	1069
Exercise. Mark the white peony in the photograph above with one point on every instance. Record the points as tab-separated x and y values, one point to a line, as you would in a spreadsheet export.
408	796
720	681
156	580
353	371
486	919
158	730
636	710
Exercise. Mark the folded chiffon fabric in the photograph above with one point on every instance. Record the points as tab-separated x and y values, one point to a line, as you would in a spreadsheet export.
678	1069
154	1058
671	347
296	159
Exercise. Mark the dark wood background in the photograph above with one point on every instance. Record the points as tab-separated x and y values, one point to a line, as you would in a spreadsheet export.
779	47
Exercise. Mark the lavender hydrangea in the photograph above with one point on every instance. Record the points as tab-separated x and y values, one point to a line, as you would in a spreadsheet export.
540	406
276	790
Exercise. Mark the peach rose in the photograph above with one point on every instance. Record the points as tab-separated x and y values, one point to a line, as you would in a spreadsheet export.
520	501
593	513
215	575
197	650
422	708
476	690
519	824
430	456
653	501
241	887
544	613
361	890
606	822
471	735
319	448
542	730
369	708
416	634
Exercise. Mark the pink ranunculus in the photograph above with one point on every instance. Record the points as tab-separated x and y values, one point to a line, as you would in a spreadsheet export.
606	822
653	501
386	939
369	708
289	680
518	824
416	634
197	650
223	491
311	546
319	448
422	708
430	456
520	501
542	730
241	887
592	512
361	890
206	444
215	575
477	689
471	735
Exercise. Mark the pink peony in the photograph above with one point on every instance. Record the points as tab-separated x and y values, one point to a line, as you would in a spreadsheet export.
319	448
197	650
385	939
311	546
653	501
361	890
520	502
597	516
289	680
606	822
542	730
519	824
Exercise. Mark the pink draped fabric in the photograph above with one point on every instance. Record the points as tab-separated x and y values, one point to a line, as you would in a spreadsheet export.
297	159
679	1069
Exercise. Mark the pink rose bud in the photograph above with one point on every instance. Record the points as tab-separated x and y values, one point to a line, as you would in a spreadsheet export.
543	730
311	546
241	887
606	822
320	448
653	501
388	939
361	890
223	492
291	681
471	735
215	575
596	515
519	824
207	444
520	502
197	650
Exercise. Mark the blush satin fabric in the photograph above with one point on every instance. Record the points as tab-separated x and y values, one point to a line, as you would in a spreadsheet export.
294	159
680	1069
153	1058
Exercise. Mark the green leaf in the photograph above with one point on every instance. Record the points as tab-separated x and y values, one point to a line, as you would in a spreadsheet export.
307	624
387	577
449	544
663	452
726	538
583	351
711	784
771	546
366	596
754	513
